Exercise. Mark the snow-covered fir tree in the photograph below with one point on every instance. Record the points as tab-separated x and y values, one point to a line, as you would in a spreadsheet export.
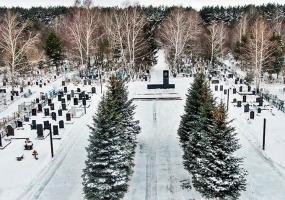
112	146
191	110
220	175
197	146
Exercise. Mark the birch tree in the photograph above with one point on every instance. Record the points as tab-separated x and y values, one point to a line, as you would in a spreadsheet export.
216	39
125	30
259	48
16	42
176	33
81	30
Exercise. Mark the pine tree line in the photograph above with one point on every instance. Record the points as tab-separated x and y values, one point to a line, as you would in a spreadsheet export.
209	143
112	144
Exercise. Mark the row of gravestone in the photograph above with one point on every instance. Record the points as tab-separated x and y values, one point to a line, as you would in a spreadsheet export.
221	88
259	100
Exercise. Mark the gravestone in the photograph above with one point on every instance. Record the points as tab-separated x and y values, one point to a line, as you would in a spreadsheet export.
63	106
46	112
258	110
75	101
21	89
258	99
253	92
248	88
85	82
55	129
41	85
221	87
10	130
53	116
93	90
80	96
216	88
68	117
225	91
246	108
238	104
260	103
78	90
244	98
87	97
37	100
12	98
63	83
59	97
251	115
40	132
19	124
84	102
43	97
34	124
240	89
34	112
63	100
51	106
68	97
234	90
40	108
26	119
236	81
89	82
241	81
59	112
49	101
65	89
46	125
234	100
37	83
165	77
72	93
61	124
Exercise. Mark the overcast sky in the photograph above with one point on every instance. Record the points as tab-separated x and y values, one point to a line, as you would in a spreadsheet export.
197	4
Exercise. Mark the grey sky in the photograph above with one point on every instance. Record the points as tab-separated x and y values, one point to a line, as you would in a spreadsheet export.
194	3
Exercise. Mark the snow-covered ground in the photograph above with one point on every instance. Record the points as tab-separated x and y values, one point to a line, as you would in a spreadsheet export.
158	171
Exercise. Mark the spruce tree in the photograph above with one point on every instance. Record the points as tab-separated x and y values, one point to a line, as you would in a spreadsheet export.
112	144
219	174
197	146
191	110
54	49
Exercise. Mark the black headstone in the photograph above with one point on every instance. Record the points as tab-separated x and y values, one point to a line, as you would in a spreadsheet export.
68	117
234	90
68	97
63	100
10	130
225	91
46	125
75	101
46	111
246	108
85	82
84	102
26	119
65	89
216	88
12	98
165	77
59	112
40	108
258	110
40	132
63	106
49	101
78	90
221	87
239	104
59	97
61	124
34	124
53	116
93	90
34	112
251	115
244	98
234	100
89	82
80	96
51	106
63	83
55	129
248	88
240	89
